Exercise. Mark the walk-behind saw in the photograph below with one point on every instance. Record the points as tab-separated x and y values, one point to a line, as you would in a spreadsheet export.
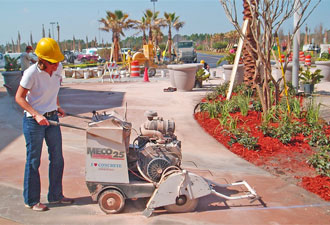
150	167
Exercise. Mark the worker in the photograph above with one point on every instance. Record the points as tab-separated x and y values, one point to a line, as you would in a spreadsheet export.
129	60
158	53
205	65
26	58
38	96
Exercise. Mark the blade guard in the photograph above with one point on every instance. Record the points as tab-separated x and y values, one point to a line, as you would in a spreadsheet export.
176	184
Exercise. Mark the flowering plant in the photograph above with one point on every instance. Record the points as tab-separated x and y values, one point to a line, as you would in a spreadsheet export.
11	63
229	57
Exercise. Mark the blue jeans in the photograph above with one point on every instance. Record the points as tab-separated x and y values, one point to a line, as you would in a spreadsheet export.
34	135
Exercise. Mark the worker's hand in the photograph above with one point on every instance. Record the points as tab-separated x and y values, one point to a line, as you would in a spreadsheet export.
60	112
41	120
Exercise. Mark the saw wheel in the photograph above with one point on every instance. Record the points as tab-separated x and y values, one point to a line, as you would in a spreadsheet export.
183	204
111	201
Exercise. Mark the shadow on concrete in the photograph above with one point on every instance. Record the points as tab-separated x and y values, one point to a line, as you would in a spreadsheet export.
206	87
87	200
323	92
79	101
10	119
75	101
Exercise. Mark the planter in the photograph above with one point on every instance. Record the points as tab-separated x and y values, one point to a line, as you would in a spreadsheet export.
11	81
183	76
239	74
277	73
308	89
324	66
171	72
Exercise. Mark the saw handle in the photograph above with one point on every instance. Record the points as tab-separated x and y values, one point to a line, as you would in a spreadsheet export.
55	123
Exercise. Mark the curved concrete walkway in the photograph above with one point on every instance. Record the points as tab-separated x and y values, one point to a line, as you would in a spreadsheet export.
286	203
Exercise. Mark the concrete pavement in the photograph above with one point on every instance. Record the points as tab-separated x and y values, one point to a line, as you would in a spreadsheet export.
286	202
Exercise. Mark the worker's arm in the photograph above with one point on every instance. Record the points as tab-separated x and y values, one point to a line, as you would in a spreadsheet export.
21	101
59	109
29	57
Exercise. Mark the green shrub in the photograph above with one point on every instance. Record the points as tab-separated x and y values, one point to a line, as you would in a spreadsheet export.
321	161
213	108
199	48
220	45
11	63
244	138
312	111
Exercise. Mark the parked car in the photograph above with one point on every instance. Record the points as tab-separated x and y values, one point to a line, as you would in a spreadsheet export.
88	55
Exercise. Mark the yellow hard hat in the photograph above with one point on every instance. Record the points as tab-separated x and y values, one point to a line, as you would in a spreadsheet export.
48	49
202	61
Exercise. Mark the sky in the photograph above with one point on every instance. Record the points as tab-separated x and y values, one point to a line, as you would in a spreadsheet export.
80	17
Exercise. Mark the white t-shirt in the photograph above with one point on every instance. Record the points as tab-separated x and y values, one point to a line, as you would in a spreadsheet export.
43	88
25	61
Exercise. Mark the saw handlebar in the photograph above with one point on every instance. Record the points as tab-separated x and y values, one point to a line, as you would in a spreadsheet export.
55	123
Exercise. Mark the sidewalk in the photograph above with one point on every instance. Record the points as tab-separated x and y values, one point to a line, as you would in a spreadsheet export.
286	202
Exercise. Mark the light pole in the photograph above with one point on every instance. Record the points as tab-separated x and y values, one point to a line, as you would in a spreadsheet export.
52	23
58	33
296	44
153	1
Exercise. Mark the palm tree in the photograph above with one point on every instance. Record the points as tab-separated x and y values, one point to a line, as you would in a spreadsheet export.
158	23
149	16
142	26
117	22
172	21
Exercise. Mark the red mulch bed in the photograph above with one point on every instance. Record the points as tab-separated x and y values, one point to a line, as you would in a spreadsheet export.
287	161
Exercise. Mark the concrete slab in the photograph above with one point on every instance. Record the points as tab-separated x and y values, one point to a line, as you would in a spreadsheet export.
286	203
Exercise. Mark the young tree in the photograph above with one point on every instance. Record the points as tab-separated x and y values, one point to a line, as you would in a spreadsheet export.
172	21
267	16
116	22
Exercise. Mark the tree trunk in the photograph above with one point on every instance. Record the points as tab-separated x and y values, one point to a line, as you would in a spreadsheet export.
150	35
170	42
115	48
249	56
144	38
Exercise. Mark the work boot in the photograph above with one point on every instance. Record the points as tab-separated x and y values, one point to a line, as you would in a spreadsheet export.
39	207
64	200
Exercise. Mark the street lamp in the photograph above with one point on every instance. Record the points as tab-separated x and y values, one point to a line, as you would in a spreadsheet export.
52	23
153	1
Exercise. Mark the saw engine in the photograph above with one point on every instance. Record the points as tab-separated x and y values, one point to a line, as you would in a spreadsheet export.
158	149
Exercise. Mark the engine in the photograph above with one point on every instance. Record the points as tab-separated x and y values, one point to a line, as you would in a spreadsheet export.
158	147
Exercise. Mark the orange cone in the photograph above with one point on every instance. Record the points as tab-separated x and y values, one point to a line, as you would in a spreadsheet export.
146	77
